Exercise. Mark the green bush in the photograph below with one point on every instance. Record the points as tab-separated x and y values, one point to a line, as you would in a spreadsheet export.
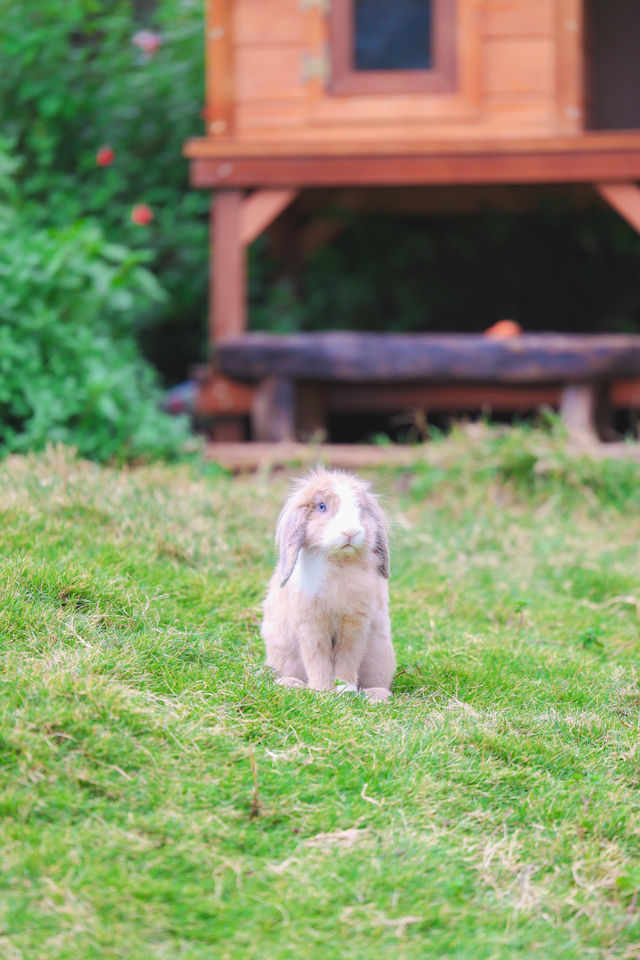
70	369
72	81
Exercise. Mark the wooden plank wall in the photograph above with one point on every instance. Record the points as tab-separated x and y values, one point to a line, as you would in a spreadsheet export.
513	56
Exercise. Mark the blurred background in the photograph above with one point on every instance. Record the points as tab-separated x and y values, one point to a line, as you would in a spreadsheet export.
104	263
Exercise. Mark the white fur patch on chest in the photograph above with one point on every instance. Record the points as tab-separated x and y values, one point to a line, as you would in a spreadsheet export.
309	573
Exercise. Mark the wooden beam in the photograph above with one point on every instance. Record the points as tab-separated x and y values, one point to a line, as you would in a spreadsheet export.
569	32
260	209
589	142
453	168
219	68
218	395
228	267
437	358
345	398
347	456
625	200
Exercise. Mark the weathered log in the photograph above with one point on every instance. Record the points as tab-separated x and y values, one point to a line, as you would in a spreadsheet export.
438	358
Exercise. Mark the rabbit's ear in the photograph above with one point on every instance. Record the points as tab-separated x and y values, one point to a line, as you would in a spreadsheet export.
290	534
380	538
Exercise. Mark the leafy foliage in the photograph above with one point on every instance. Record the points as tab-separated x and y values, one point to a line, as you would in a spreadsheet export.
552	267
72	82
70	368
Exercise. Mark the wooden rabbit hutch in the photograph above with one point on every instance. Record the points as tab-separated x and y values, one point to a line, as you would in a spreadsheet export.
385	104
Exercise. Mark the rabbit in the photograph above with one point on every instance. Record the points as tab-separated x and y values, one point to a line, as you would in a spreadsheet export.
326	613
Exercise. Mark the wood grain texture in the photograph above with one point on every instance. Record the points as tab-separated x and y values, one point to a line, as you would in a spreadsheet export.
519	18
439	358
228	267
570	55
506	52
265	23
219	68
478	142
519	66
458	168
331	108
268	73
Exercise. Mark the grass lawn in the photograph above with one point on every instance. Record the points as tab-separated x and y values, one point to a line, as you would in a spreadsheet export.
162	798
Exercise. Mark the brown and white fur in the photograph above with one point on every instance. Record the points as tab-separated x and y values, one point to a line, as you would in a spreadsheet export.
326	617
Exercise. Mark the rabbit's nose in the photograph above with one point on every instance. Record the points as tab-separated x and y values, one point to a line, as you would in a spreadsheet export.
351	533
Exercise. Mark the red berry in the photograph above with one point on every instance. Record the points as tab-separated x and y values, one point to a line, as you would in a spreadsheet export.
105	156
142	214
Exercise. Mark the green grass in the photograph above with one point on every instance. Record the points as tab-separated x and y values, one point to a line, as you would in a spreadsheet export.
162	798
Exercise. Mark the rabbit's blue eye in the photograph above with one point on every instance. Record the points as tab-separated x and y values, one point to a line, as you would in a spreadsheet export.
322	507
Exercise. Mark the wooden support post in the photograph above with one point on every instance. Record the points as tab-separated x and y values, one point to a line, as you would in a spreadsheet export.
273	417
578	410
311	411
228	267
219	68
236	221
227	284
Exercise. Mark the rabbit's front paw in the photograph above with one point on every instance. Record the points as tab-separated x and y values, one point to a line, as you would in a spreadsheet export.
290	682
376	694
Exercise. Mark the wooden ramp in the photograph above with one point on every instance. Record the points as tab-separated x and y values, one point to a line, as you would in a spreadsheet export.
249	457
259	456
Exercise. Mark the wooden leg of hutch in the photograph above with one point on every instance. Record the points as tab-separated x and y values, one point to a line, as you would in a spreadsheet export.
311	411
580	412
227	315
274	410
237	218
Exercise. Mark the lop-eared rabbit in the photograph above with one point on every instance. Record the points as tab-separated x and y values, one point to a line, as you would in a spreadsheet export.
326	613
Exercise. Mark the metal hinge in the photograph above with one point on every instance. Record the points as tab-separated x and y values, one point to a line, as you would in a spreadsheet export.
314	67
323	5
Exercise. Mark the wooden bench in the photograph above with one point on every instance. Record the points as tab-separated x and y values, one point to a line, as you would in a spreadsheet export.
298	378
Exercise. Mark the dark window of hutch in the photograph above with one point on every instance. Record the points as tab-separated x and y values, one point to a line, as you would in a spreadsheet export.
392	36
393	46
